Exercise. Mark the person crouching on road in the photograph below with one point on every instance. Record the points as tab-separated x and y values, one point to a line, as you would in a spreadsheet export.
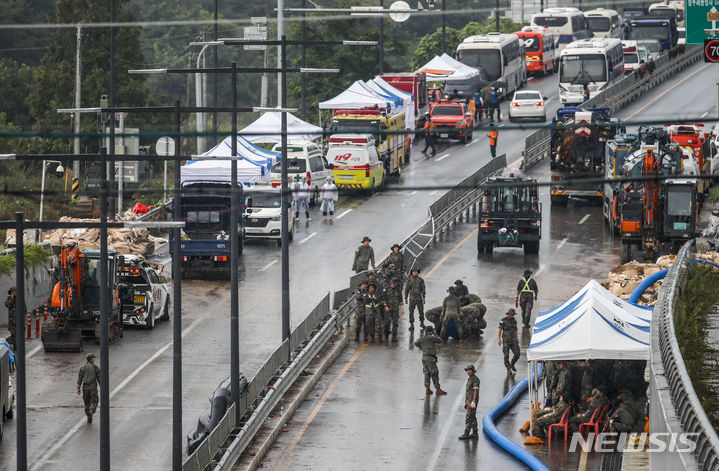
88	378
471	398
414	294
450	312
301	190
509	335
329	196
428	344
363	256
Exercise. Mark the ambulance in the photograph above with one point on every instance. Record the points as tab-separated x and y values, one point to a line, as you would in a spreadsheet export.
356	162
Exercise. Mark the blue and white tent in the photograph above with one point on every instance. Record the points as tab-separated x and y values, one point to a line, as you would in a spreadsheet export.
593	324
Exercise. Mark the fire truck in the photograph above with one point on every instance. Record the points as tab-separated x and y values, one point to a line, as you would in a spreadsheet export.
695	138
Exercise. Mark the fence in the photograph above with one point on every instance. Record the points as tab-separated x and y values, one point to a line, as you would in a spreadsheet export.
674	406
615	97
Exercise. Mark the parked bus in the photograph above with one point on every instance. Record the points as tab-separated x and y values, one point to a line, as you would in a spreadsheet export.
662	29
673	10
567	24
589	65
605	23
539	48
499	55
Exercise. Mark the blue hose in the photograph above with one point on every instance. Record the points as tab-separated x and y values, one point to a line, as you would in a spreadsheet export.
699	260
646	283
508	445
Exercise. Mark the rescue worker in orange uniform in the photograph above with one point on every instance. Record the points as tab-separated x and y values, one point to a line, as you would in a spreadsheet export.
430	138
493	135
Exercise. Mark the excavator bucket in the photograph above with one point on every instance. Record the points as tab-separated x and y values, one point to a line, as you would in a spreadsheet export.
54	341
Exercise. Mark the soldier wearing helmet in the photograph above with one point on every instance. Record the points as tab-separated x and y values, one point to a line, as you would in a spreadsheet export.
471	398
509	335
428	344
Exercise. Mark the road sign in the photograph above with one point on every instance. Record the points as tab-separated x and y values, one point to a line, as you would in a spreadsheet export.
255	33
165	146
400	11
702	17
711	50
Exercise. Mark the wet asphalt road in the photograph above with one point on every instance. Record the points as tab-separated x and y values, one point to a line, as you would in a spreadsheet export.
321	256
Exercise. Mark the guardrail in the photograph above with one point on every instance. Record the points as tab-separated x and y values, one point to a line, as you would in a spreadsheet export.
674	405
615	97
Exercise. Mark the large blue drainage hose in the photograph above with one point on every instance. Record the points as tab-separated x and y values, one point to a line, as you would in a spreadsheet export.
651	279
508	445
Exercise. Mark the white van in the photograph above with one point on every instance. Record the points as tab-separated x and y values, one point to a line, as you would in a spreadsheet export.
304	159
263	212
356	162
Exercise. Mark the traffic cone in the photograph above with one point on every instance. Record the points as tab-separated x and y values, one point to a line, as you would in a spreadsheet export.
29	326
37	323
45	309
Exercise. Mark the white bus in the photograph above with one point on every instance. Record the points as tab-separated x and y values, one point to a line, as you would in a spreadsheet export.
672	9
591	63
500	56
604	23
568	24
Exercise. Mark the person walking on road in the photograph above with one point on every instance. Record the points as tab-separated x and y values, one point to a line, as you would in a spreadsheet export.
526	295
88	379
414	294
509	335
450	312
471	398
11	315
372	309
493	135
364	255
393	308
329	197
361	317
396	258
301	190
430	137
478	105
494	105
428	344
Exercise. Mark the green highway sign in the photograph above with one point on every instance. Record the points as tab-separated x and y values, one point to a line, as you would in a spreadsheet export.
702	20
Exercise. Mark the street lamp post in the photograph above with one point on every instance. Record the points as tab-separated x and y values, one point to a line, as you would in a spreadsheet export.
59	169
199	97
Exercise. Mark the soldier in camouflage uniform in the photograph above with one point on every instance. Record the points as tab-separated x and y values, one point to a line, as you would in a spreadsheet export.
428	344
622	419
450	311
563	381
462	292
11	316
471	398
372	278
526	295
508	334
597	400
88	378
373	312
434	316
548	416
414	293
363	256
361	315
393	308
473	318
396	258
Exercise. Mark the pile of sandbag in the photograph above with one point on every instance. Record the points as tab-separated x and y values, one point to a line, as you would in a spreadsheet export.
625	278
471	315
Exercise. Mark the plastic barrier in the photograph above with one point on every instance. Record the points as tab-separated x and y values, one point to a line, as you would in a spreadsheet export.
508	445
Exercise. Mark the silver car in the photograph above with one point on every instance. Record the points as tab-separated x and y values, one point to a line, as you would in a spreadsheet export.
527	104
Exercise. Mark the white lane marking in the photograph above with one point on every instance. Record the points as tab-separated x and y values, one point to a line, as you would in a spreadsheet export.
561	243
442	157
411	173
548	100
541	269
584	219
412	192
530	79
34	351
434	193
308	238
343	214
266	267
469	143
703	114
41	462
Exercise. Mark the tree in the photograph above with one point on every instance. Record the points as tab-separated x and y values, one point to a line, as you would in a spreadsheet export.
15	86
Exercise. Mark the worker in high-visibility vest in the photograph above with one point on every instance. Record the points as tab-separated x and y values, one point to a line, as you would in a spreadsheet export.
430	138
526	295
493	135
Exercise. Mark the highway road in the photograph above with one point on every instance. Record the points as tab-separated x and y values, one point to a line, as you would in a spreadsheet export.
321	257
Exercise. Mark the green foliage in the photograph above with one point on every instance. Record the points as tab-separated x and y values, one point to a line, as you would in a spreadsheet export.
697	300
33	255
15	85
25	45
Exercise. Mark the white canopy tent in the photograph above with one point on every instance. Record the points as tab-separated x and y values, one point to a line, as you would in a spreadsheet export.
406	99
593	324
218	171
267	129
445	66
357	96
245	150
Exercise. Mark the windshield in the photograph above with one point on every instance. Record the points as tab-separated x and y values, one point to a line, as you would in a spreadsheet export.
631	58
659	32
132	275
531	43
446	110
679	203
550	21
259	199
91	272
204	218
527	96
293	166
599	23
663	12
585	68
488	59
651	46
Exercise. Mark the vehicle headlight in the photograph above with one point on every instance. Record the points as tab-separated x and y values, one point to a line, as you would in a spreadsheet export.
276	218
461	123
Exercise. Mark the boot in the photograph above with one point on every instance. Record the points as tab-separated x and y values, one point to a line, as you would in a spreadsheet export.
379	339
357	338
421	324
428	391
371	340
441	392
331	221
474	434
509	370
394	338
464	436
365	338
324	220
513	368
89	418
411	326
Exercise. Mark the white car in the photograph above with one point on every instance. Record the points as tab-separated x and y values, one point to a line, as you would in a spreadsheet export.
263	213
527	104
143	294
304	159
652	46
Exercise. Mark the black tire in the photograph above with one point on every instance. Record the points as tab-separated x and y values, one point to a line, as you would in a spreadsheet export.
166	310
626	256
150	322
531	248
559	200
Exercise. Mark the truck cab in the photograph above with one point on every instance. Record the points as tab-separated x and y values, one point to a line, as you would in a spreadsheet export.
453	119
145	297
263	213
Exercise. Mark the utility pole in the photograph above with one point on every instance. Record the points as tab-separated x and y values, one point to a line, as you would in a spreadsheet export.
304	59
381	39
496	16
214	78
280	34
444	28
78	99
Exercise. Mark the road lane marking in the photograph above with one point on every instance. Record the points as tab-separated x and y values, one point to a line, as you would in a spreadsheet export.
703	114
59	444
561	243
266	267
654	100
442	157
411	173
584	219
434	193
448	254
343	214
469	143
323	400
308	238
541	269
412	192
34	351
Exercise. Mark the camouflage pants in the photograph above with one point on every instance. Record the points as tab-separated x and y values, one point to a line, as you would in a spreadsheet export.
445	320
89	397
414	302
370	315
391	319
526	302
379	316
506	347
577	420
12	339
429	368
470	420
361	325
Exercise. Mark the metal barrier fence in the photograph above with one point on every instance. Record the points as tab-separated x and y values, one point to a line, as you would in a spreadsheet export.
615	97
674	405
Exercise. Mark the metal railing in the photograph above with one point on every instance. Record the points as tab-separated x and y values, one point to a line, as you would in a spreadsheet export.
674	406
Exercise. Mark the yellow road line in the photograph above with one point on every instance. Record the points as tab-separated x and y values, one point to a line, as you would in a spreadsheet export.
454	249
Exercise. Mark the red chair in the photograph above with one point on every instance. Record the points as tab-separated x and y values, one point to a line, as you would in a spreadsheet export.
563	423
595	421
604	417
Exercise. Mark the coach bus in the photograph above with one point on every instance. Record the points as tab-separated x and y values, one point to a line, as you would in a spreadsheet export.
590	65
539	48
499	55
605	23
568	24
673	10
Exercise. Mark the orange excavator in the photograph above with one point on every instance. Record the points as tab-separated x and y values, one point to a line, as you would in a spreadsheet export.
75	303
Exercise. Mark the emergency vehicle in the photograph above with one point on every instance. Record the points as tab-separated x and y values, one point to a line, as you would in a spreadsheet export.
694	138
357	165
453	119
